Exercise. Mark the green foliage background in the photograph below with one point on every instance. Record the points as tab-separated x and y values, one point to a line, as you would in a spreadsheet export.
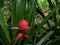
26	9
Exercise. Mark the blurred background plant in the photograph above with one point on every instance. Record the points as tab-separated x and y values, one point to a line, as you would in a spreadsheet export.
43	17
43	4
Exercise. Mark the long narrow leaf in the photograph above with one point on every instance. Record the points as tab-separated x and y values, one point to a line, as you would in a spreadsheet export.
20	8
1	41
44	38
14	18
4	27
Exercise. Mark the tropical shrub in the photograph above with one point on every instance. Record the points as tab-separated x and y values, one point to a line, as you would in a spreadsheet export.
21	28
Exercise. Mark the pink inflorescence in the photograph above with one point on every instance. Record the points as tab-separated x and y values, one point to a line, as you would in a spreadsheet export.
23	25
19	36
